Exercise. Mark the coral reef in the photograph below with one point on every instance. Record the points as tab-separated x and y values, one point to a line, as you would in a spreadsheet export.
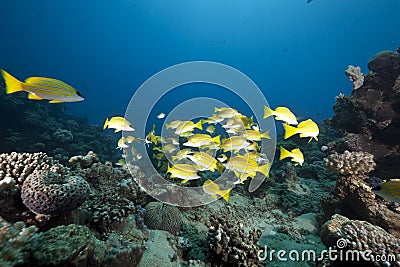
33	126
355	76
161	216
350	163
370	116
230	244
113	195
379	246
355	197
51	194
15	242
75	245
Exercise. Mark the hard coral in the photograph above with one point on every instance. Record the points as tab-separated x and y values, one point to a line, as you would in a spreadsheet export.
17	166
350	163
14	242
230	245
49	193
362	236
160	216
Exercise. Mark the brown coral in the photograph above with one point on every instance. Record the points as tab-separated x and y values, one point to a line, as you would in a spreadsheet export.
361	236
51	194
161	216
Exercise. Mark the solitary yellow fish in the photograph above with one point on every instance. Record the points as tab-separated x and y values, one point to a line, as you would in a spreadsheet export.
306	128
389	190
281	114
215	190
119	124
40	88
295	154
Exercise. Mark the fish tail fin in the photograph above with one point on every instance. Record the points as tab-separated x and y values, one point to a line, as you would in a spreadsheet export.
12	84
169	169
174	158
266	135
105	124
167	126
289	130
217	139
199	125
284	153
264	169
217	109
225	194
267	112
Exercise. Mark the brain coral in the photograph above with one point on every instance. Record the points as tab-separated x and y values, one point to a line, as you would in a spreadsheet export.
160	216
49	193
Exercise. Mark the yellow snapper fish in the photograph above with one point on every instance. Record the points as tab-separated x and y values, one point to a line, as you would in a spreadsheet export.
258	157
173	124
122	143
182	154
185	172
226	112
161	116
121	162
119	124
254	135
188	127
166	149
233	123
199	140
40	88
151	137
389	190
210	129
203	161
244	167
214	119
215	190
281	114
306	128
295	154
234	143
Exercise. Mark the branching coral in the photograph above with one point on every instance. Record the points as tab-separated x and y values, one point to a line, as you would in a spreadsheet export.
350	163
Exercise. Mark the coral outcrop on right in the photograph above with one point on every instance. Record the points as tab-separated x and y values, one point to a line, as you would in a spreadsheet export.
370	116
362	237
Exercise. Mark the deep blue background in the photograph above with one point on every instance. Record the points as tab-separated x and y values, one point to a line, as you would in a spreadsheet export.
294	51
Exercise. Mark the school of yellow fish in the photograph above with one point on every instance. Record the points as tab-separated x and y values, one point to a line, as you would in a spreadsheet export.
196	148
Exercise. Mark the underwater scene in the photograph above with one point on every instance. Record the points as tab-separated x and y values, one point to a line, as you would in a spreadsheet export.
200	133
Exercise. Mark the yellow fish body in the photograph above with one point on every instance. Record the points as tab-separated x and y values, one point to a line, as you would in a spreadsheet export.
281	114
199	140
246	165
306	128
214	190
188	127
234	143
389	190
295	154
183	171
40	88
204	161
119	124
254	135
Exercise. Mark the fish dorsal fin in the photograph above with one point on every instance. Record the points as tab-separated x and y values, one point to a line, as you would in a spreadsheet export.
34	97
56	101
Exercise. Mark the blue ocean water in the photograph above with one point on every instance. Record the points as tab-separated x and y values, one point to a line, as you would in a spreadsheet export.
296	52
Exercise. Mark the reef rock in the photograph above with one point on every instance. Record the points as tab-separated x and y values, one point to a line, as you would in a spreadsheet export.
370	116
360	237
355	196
